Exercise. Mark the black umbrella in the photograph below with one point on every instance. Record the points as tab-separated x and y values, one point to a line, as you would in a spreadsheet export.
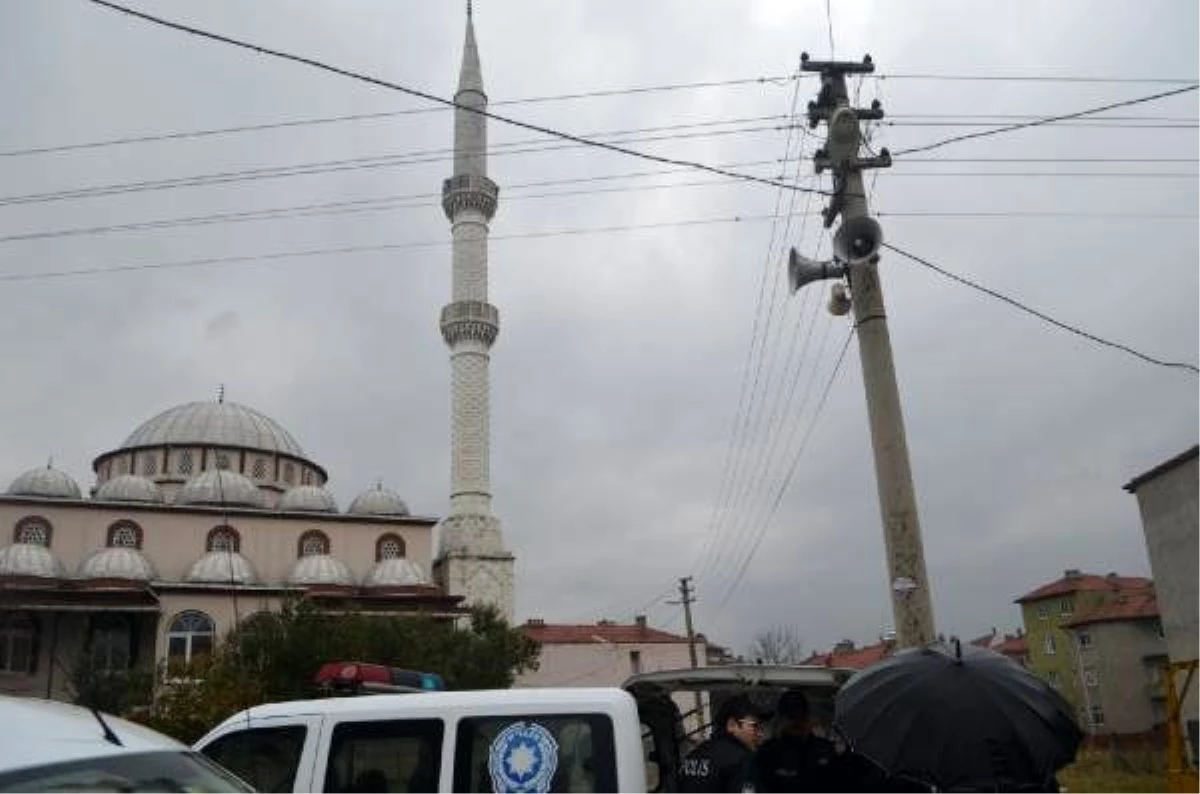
955	718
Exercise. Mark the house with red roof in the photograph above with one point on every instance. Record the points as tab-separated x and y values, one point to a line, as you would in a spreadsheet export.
1052	646
1014	646
1121	652
846	655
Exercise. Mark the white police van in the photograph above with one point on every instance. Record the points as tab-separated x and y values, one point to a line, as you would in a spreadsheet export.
527	740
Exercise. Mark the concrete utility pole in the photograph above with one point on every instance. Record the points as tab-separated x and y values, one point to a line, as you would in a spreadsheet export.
686	597
856	246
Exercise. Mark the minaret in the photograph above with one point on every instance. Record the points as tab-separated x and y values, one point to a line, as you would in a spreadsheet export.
472	559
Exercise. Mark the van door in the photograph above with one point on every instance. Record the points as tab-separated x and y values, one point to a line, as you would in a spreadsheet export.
380	755
271	755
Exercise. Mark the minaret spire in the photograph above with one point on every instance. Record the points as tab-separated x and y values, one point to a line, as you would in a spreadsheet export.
472	558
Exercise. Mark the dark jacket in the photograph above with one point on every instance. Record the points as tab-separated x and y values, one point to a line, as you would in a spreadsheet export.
721	763
799	763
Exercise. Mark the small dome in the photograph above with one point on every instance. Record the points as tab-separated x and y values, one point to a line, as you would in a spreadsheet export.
317	569
308	499
220	487
222	567
30	559
378	501
396	572
46	481
130	488
117	562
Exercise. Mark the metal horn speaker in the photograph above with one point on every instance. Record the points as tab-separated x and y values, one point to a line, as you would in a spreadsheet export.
802	270
857	240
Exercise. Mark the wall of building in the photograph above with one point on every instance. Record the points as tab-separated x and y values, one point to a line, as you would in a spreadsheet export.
1118	675
1044	618
174	538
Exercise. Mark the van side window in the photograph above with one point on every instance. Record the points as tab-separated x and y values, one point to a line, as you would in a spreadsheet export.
266	758
385	755
536	752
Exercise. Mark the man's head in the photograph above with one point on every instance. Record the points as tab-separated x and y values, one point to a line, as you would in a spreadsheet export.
742	719
793	712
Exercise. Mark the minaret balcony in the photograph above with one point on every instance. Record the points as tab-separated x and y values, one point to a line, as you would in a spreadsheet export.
469	191
478	321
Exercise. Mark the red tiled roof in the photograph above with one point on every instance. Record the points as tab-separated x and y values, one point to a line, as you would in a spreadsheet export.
855	659
1013	646
587	633
1085	582
1141	604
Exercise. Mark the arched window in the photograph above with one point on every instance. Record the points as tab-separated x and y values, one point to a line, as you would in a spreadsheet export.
34	530
222	459
389	547
18	643
223	538
183	462
111	642
312	542
125	534
189	638
150	465
260	468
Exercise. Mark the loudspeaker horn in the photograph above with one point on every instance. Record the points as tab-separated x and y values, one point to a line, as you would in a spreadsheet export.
802	270
857	240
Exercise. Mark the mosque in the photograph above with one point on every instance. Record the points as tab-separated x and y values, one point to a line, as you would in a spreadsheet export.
212	511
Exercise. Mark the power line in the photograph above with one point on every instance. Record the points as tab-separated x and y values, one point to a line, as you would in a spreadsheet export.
321	120
357	249
1042	315
433	98
1040	122
762	529
1036	78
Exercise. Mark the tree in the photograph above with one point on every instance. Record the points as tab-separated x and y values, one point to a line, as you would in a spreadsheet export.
275	656
777	644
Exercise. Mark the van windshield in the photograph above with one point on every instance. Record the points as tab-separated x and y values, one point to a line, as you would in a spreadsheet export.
171	770
537	752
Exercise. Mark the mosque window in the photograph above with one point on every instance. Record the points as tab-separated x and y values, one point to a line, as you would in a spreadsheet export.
223	538
222	460
18	643
313	542
125	534
260	469
122	466
184	464
149	466
111	641
306	477
189	638
34	530
289	473
389	547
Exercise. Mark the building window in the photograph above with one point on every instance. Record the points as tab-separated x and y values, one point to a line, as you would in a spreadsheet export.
1043	612
33	530
125	534
111	643
18	643
1091	678
1066	607
289	473
260	469
1158	630
389	547
635	662
306	477
1097	716
1050	646
1053	679
312	543
1085	639
190	638
122	466
223	538
222	459
184	462
149	466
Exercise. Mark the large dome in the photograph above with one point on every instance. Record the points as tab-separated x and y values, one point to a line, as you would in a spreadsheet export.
223	424
221	488
308	499
45	481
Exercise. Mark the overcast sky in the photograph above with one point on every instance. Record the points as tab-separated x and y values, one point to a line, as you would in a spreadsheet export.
620	365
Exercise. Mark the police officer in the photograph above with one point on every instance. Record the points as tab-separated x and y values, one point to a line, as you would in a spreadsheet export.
722	763
795	759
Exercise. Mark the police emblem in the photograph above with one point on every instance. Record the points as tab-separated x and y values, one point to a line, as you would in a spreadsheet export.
523	758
